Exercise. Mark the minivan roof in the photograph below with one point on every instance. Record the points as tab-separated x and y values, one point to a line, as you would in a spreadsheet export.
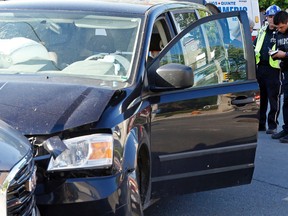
123	6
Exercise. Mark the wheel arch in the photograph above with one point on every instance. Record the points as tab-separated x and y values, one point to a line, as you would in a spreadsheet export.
137	158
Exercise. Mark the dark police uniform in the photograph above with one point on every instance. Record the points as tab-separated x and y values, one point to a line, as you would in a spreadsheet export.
269	79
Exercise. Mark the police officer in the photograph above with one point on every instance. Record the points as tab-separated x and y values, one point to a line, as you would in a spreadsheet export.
281	21
268	73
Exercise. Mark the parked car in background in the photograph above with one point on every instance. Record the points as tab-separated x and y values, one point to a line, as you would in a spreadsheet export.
127	102
17	174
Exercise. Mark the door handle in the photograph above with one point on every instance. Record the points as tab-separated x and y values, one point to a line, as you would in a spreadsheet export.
243	100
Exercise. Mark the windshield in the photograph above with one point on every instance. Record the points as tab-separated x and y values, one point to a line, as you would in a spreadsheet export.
70	44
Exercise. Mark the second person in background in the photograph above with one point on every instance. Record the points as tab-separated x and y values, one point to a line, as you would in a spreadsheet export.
281	22
268	73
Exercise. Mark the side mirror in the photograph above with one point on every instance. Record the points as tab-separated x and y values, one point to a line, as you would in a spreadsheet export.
171	76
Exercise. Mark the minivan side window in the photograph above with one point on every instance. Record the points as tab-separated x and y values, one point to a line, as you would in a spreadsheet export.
213	60
183	19
203	13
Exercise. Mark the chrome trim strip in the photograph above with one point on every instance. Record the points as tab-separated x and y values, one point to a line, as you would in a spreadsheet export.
3	201
199	153
6	182
202	172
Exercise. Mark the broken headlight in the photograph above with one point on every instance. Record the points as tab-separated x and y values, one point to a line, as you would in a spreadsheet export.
91	151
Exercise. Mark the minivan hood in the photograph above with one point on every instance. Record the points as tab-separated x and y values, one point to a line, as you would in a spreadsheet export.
44	108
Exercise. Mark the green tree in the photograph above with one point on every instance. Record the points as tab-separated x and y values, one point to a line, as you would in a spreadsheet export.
283	4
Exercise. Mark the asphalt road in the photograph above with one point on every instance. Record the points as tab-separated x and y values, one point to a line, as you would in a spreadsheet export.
267	195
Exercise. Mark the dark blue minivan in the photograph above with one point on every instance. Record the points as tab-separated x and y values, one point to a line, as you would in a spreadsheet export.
125	102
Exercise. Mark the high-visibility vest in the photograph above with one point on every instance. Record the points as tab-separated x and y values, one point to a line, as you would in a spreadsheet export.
259	43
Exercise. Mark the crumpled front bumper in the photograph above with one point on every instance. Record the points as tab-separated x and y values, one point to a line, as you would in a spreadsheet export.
85	196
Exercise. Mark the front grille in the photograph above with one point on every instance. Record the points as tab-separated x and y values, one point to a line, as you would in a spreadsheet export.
20	198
